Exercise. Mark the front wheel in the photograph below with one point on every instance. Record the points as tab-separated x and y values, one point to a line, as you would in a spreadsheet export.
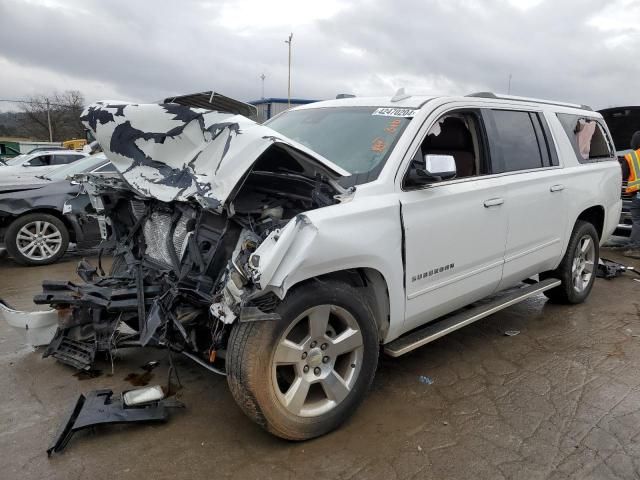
302	376
577	270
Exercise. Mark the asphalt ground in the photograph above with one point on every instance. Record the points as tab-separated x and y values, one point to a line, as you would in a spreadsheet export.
560	399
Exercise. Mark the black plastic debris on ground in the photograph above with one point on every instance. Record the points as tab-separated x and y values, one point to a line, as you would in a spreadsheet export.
79	355
99	407
609	269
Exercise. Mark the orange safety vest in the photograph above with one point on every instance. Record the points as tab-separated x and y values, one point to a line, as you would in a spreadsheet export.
633	160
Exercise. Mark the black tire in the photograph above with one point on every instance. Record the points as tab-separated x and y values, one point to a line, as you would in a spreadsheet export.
251	350
11	238
566	292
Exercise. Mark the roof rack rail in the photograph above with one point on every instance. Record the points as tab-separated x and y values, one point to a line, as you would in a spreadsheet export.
527	99
482	95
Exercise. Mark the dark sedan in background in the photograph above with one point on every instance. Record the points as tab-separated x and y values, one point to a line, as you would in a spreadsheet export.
33	228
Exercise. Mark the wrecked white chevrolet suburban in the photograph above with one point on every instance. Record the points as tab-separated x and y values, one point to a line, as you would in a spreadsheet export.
285	255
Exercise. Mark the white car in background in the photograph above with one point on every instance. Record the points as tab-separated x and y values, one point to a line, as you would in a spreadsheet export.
38	163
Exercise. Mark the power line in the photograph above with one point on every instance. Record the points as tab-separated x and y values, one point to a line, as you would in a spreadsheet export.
36	102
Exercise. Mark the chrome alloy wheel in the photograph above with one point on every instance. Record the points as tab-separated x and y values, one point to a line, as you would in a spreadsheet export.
317	360
583	266
39	240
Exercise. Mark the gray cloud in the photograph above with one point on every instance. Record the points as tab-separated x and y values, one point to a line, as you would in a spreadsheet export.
147	50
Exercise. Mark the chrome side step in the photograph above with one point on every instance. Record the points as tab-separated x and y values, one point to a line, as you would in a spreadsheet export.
433	331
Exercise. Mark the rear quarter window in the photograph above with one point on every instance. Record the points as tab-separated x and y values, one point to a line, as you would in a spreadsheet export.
588	137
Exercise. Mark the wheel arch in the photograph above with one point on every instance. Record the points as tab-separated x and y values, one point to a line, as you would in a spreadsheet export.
371	280
595	215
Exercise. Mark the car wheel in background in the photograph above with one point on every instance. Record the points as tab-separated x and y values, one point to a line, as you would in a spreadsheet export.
37	239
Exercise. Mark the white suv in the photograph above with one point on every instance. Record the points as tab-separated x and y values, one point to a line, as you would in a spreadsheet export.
285	255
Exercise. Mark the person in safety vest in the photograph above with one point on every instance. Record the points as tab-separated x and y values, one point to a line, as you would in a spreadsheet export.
631	170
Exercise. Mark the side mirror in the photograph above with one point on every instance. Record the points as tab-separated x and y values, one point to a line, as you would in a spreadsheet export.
434	169
438	167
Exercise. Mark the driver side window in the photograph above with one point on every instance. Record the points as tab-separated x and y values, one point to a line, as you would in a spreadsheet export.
459	135
40	161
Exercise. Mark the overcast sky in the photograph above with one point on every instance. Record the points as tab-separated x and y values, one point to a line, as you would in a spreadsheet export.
584	51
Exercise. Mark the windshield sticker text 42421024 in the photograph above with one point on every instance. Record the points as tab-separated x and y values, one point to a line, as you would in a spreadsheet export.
395	112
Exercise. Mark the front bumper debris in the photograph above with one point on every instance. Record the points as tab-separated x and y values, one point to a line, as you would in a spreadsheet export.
99	407
38	327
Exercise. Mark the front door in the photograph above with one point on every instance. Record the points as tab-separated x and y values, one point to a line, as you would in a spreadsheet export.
455	230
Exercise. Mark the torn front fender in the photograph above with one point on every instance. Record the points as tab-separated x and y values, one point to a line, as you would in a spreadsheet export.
38	327
269	255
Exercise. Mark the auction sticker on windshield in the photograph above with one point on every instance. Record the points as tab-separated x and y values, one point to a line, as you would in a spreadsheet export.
395	112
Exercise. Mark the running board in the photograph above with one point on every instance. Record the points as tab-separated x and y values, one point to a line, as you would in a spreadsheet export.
433	331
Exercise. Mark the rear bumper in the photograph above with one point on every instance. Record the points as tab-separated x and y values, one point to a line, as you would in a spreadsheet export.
38	327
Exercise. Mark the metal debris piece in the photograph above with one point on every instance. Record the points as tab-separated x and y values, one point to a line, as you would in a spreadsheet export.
512	333
99	407
425	380
609	269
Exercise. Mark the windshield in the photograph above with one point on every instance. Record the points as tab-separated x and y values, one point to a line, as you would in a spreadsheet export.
80	166
358	139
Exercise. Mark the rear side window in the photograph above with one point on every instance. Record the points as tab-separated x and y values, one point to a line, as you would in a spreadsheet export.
588	138
518	138
65	159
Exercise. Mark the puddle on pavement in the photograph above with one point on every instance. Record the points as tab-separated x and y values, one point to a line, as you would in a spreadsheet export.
87	374
142	379
139	379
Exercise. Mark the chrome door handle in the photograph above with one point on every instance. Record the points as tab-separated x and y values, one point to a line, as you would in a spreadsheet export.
556	188
493	202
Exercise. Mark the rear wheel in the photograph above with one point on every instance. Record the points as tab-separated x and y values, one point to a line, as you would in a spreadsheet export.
37	239
577	271
302	376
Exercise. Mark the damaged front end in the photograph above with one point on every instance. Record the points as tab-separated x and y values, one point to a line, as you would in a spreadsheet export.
199	192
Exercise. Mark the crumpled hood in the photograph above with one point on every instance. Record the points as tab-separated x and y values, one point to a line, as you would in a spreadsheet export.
172	152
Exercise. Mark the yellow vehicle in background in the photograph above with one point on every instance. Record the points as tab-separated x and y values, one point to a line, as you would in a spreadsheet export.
75	144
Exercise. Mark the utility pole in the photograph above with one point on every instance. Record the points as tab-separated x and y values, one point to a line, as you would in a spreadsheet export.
509	87
49	120
262	77
289	83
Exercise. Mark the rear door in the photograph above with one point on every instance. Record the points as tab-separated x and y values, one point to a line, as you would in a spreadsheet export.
536	189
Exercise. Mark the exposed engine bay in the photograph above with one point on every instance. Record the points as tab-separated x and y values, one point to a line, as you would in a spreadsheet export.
185	265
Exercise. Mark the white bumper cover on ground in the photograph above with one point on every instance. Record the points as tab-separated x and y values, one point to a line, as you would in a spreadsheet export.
39	327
